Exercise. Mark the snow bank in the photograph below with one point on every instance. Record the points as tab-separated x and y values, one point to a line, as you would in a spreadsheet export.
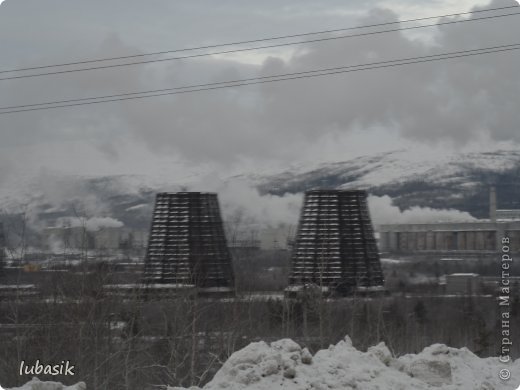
285	365
36	384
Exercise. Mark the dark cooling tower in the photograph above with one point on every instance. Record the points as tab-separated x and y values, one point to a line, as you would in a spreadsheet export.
335	247
187	245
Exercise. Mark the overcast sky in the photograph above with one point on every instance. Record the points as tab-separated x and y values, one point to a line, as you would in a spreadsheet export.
463	104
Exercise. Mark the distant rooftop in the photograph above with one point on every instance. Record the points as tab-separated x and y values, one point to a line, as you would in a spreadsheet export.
508	215
463	274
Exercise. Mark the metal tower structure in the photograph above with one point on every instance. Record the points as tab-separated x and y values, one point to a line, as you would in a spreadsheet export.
187	245
335	247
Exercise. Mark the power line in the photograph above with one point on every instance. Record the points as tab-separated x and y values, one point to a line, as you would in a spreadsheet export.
258	80
264	77
255	40
257	47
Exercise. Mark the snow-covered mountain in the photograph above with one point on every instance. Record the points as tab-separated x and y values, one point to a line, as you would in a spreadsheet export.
459	181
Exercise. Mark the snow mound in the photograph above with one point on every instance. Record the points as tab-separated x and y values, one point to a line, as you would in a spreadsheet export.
285	365
36	384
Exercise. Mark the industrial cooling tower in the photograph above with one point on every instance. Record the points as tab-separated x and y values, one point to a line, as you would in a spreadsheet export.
187	245
335	247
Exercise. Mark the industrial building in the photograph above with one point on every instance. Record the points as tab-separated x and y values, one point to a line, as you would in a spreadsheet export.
187	245
475	284
445	237
77	238
463	283
463	237
335	247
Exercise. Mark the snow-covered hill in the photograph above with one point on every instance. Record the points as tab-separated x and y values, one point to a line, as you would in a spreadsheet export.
398	166
458	181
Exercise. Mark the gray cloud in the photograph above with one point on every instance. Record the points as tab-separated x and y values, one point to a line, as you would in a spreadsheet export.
455	101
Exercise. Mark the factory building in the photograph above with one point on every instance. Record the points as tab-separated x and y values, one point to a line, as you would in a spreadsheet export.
187	245
463	237
463	283
443	237
58	239
335	248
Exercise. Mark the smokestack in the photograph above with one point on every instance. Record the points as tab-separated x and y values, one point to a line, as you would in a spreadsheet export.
492	204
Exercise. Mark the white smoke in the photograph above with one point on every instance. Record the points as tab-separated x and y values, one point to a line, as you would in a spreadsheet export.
265	209
90	224
247	209
237	196
247	213
383	211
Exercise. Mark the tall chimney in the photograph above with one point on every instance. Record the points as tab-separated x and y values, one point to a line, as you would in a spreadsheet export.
492	204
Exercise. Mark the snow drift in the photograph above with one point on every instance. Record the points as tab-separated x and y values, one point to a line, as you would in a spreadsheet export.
36	384
284	364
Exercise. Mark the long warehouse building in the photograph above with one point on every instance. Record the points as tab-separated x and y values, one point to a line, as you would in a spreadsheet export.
443	237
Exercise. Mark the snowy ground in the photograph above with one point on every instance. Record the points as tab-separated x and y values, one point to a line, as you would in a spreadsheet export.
285	365
36	384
